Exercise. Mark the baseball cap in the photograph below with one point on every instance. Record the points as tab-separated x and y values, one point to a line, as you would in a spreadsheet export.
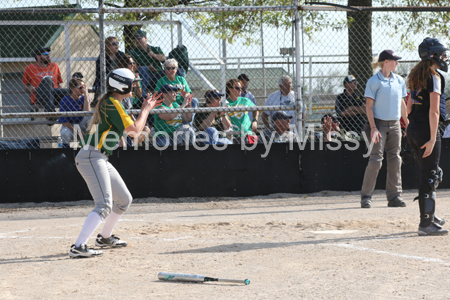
213	94
77	75
169	88
140	33
243	77
349	78
333	117
388	54
41	50
280	115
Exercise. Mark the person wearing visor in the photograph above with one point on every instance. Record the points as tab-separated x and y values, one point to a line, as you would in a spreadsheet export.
426	109
110	193
385	104
212	125
43	81
169	128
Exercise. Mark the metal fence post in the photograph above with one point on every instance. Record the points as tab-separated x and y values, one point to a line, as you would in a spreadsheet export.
298	92
101	36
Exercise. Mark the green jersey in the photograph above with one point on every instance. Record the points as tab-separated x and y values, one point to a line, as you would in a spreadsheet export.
107	133
240	121
178	80
142	58
168	126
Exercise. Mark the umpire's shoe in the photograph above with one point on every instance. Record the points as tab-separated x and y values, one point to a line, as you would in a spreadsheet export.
366	202
432	229
83	252
112	241
396	202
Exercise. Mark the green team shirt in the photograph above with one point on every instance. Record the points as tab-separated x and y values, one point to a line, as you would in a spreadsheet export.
112	124
142	59
178	80
240	119
168	126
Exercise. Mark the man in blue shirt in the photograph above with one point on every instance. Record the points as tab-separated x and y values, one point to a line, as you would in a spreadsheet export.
385	93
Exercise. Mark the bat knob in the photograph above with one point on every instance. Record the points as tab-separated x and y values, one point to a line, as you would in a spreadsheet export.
247	281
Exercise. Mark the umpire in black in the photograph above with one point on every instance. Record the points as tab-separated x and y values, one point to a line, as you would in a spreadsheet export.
351	106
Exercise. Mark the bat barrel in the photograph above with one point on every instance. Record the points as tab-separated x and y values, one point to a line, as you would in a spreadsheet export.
180	277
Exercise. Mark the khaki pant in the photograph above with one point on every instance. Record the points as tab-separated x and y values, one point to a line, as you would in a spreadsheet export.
390	142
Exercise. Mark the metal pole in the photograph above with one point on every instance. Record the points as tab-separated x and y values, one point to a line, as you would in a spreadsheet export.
101	36
171	33
298	101
67	52
262	54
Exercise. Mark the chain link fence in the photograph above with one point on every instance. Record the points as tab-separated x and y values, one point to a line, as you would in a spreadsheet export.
55	57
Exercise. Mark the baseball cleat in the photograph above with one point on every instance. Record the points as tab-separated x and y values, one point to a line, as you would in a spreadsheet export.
112	241
433	229
83	252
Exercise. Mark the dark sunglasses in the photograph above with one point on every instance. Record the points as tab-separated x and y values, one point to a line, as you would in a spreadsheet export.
237	88
131	63
171	68
115	44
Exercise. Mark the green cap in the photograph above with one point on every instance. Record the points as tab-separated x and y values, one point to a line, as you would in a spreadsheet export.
140	33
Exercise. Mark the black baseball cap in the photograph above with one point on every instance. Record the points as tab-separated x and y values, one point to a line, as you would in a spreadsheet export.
280	115
333	118
41	50
243	77
388	54
77	75
213	94
349	78
169	88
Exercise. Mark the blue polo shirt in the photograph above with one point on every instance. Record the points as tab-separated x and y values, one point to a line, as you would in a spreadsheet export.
387	94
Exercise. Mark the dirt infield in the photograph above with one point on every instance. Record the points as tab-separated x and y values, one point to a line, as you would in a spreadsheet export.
315	246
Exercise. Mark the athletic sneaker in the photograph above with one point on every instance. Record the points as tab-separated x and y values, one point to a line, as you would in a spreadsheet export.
83	251
112	241
396	202
433	229
366	202
439	221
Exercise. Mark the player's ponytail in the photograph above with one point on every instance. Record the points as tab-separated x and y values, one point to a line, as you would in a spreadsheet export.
99	109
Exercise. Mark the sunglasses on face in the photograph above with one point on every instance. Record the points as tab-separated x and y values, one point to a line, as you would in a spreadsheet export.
171	68
237	88
115	44
131	63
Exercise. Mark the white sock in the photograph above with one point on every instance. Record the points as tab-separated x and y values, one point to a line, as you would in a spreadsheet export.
110	222
91	224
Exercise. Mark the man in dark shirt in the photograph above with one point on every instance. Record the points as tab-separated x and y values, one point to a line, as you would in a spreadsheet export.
351	107
212	123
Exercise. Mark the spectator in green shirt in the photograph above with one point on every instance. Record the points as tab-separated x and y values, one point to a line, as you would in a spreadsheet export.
149	59
170	77
169	127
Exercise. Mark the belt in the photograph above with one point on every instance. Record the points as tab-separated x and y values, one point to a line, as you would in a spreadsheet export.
92	148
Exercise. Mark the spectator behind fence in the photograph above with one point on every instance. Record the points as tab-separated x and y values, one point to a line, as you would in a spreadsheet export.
112	54
351	106
384	106
331	129
280	131
213	124
169	129
77	100
285	96
246	94
240	120
136	99
149	59
43	81
170	77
